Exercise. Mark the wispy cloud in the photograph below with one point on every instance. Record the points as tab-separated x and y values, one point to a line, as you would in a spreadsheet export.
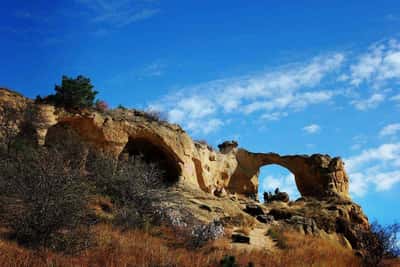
396	98
272	94
377	167
359	141
362	79
120	13
380	64
154	69
390	129
312	129
372	102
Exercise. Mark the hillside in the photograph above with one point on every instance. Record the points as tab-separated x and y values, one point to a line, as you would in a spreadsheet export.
203	206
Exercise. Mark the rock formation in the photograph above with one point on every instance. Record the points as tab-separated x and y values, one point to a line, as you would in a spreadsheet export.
231	169
230	173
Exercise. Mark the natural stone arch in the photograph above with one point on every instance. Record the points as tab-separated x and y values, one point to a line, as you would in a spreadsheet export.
316	176
154	150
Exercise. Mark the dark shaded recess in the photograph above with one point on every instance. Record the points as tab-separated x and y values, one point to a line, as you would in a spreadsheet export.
151	153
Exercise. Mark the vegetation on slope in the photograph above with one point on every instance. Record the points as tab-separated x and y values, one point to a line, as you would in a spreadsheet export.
63	205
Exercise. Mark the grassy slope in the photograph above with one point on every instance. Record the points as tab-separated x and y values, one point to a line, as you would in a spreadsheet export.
160	247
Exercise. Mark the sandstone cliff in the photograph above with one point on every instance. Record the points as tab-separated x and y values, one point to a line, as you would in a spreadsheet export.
232	171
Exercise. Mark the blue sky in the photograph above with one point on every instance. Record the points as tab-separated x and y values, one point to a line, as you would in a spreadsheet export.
293	77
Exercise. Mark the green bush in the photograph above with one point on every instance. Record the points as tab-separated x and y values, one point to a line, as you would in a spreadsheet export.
73	93
228	261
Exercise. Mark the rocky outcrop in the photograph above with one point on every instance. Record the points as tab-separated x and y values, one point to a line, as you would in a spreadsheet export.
129	132
322	180
317	175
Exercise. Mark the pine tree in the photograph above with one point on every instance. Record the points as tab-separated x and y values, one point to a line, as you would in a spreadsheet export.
73	93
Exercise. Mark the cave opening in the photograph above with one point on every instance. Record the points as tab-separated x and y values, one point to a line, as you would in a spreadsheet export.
154	153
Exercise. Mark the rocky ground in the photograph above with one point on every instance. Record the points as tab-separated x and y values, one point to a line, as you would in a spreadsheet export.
208	193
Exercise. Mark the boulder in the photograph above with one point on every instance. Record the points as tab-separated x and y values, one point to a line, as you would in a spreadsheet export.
277	196
240	238
307	225
280	214
254	210
265	218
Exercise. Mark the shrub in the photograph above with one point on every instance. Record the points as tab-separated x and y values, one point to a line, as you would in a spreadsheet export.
388	237
278	236
121	107
130	184
101	105
155	115
72	93
43	199
202	233
228	261
381	242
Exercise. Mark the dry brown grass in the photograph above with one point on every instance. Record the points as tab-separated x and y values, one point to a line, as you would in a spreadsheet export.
244	230
161	247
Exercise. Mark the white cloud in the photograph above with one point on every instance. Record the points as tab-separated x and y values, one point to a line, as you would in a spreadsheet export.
312	128
383	154
154	69
274	93
358	184
390	129
372	102
274	116
375	167
359	141
196	107
385	181
395	98
211	126
380	64
119	13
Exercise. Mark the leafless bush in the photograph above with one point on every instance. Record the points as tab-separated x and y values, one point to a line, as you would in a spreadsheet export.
155	115
43	199
381	242
202	233
130	183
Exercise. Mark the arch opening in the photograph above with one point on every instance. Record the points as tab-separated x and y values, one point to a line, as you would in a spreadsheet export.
154	153
274	176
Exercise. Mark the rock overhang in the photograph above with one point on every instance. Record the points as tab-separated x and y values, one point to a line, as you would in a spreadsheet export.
231	169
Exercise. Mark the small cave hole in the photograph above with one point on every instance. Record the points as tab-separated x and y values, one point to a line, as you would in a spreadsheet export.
154	153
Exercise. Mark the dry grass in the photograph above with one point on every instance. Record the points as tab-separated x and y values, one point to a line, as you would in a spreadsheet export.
312	251
161	247
244	230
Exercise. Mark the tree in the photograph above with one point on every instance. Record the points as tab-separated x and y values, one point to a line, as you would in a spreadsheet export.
73	93
43	199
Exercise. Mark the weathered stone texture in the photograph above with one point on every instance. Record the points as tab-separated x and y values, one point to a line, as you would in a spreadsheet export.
231	169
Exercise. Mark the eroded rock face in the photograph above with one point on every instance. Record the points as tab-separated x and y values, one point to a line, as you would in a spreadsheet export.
322	180
316	176
232	169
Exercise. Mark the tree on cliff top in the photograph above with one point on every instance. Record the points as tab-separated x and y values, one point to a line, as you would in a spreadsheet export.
72	93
